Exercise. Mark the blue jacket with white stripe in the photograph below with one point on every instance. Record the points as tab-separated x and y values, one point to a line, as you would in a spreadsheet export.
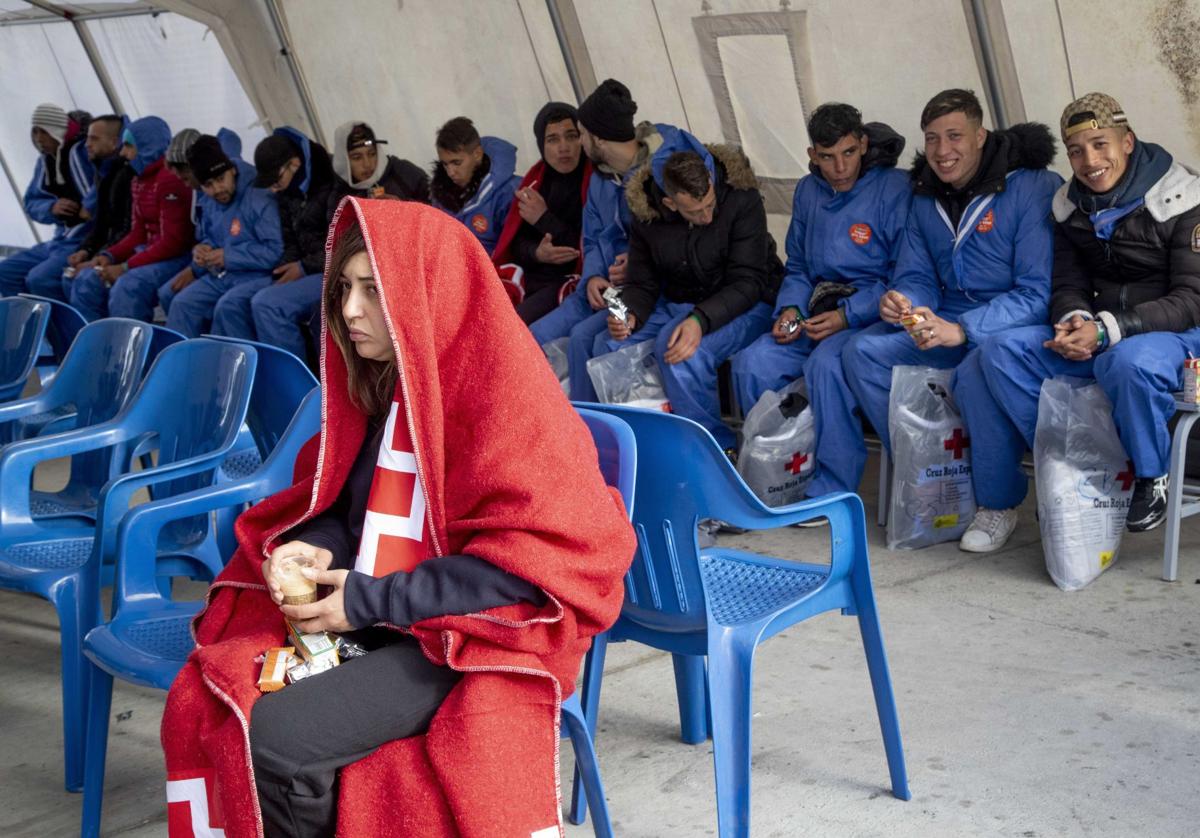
991	271
485	211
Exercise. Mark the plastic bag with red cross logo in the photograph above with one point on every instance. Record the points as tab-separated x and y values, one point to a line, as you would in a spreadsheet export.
932	499
1084	481
629	376
778	456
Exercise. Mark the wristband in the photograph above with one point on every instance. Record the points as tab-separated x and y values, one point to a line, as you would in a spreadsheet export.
1101	334
696	317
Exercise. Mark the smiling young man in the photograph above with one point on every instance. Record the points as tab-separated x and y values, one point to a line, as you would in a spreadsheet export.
1125	302
473	179
975	262
848	219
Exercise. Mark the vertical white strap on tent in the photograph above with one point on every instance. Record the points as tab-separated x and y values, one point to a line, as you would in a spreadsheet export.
89	47
574	47
302	90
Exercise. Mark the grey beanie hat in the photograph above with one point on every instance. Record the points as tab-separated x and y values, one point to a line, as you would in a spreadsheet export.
180	143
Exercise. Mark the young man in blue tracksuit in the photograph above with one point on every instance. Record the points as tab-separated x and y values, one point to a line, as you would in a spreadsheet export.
848	218
1125	304
617	149
474	179
57	195
239	238
975	261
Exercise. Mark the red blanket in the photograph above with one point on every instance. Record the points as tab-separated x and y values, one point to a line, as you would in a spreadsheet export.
510	475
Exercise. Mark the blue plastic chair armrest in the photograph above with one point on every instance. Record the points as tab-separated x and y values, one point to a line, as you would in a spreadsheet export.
37	403
19	459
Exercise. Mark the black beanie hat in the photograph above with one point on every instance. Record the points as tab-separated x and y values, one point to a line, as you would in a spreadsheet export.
270	156
608	112
551	112
207	159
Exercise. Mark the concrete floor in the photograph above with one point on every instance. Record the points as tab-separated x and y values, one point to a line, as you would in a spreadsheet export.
1026	711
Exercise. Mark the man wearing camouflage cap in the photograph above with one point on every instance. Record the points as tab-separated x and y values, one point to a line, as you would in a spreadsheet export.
1125	300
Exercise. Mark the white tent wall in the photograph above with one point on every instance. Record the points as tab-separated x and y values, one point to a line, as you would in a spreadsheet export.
38	63
1143	53
171	66
406	68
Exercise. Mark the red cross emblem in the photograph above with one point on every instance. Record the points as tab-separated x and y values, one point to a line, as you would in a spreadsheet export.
193	807
956	443
393	534
1126	477
798	460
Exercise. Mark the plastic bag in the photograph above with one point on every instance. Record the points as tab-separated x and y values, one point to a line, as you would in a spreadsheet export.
556	354
778	457
932	498
1084	481
629	376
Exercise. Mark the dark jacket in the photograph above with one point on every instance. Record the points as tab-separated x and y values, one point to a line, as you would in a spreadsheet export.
1146	277
304	208
114	205
403	179
724	268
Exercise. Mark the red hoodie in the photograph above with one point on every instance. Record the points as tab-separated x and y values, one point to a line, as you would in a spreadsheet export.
162	218
509	474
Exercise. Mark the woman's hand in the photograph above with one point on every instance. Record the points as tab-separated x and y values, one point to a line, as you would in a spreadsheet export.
327	613
320	558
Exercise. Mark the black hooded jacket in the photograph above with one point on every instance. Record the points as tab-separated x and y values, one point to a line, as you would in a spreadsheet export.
305	215
402	178
114	207
724	268
1146	276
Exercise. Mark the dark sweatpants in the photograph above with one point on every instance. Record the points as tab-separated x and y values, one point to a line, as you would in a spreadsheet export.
301	735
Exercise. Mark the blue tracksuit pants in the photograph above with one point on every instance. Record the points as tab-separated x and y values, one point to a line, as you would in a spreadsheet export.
133	295
15	269
194	310
691	385
1138	375
279	310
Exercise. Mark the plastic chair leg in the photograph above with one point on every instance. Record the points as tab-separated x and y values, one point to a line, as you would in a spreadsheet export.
587	766
99	706
881	686
1183	428
730	663
885	487
589	689
72	623
693	699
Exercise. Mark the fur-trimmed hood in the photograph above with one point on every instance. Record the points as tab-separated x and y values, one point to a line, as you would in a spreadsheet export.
1029	145
733	170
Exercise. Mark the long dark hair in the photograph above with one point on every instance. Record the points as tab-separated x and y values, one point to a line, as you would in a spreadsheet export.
372	384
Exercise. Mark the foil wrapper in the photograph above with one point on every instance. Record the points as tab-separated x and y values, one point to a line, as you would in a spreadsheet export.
616	306
791	327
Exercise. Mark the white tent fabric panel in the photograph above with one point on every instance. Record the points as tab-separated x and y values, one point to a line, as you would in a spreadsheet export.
406	68
1148	63
169	66
38	63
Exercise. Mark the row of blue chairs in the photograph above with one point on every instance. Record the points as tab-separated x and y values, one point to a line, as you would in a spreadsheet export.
710	608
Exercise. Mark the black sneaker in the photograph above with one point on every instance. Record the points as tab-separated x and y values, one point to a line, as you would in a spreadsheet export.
1149	505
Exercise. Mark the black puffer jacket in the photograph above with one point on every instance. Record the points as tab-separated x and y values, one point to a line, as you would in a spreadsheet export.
1146	277
723	268
114	207
305	215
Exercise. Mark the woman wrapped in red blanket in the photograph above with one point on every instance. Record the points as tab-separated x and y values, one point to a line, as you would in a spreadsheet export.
453	508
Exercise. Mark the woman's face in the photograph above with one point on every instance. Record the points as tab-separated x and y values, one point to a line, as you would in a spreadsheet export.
362	312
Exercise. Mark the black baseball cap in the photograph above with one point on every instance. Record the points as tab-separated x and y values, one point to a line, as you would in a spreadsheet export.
271	155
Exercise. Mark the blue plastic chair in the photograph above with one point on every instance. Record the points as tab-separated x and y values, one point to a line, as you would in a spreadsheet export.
65	322
189	408
95	381
617	452
281	383
148	638
22	326
719	603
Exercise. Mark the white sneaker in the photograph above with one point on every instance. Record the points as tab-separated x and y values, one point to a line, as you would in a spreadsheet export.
989	531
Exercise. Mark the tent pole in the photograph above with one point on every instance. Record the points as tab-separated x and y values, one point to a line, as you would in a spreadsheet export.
17	193
573	46
89	48
285	50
